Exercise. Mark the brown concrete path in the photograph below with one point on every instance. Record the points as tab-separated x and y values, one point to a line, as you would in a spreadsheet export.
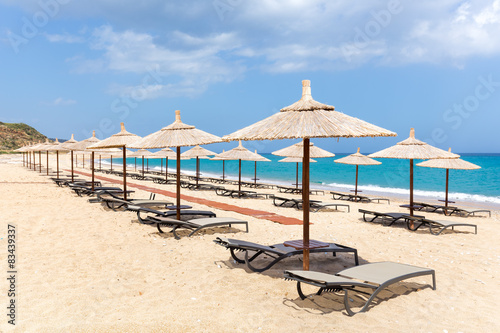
210	203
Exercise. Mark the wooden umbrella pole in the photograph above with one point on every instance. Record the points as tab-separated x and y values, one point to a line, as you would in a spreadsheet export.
356	187
305	203
197	169
255	174
100	162
411	187
111	162
239	176
223	170
166	168
76	160
178	184
147	164
92	167
83	158
297	175
57	158
72	176
40	161
47	162
447	179
143	165
161	165
135	163
124	173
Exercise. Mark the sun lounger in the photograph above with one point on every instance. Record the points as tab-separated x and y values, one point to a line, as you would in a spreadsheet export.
465	212
435	227
195	224
356	198
285	202
112	201
169	213
315	206
276	252
387	219
376	276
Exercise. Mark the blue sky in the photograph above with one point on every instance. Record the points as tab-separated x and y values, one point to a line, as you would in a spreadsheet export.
76	66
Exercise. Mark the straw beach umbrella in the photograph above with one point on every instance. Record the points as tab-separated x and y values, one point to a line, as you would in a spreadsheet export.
82	146
357	159
46	147
69	145
239	153
217	158
411	149
307	119
119	140
57	148
176	135
197	152
141	153
259	158
449	163
295	160
297	151
164	153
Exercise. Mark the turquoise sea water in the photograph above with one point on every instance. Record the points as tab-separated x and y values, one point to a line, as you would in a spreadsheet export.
391	177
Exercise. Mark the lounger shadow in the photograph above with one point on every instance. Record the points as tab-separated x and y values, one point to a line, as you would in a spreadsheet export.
195	225
376	276
277	252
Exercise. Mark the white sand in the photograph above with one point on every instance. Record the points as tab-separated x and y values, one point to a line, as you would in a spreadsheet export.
84	268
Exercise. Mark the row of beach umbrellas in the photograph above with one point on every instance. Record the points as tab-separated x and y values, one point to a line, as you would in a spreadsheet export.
304	119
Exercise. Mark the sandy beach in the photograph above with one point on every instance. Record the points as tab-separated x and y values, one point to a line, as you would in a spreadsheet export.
84	268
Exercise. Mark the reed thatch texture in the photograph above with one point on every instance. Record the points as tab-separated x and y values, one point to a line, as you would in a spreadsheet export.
165	152
297	150
140	153
197	151
84	144
357	159
240	153
176	134
413	148
69	144
308	119
449	163
57	146
118	140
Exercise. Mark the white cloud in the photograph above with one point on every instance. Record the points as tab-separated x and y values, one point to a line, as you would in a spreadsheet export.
59	102
64	38
192	65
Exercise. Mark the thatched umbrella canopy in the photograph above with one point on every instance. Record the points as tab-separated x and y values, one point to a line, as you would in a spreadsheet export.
449	163
357	159
176	135
240	153
308	119
119	140
411	149
197	152
37	148
83	145
295	160
140	153
258	158
297	150
46	147
164	153
69	145
217	158
57	148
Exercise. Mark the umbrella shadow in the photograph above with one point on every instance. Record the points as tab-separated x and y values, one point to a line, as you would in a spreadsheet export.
329	302
203	232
